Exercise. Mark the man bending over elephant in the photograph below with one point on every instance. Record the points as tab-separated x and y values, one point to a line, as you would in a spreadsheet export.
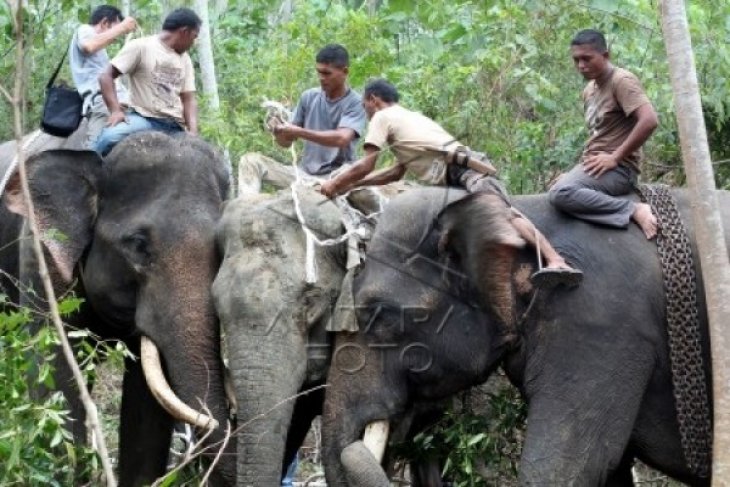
620	119
329	119
422	146
161	81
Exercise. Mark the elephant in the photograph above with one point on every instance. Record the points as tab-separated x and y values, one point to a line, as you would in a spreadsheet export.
275	325
134	237
445	298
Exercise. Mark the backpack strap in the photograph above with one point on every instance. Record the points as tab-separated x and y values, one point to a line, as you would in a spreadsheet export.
55	73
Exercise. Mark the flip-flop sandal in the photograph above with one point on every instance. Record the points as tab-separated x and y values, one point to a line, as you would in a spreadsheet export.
548	278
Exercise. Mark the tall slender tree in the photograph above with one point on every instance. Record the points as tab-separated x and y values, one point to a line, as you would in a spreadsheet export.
708	228
205	51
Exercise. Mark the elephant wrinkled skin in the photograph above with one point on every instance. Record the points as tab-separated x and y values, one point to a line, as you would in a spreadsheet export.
274	323
447	300
138	246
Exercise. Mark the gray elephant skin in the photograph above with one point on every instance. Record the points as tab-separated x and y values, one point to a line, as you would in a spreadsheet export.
138	245
275	328
444	299
274	321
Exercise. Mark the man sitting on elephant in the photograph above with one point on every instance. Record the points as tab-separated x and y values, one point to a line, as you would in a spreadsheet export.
423	146
620	119
88	59
329	119
161	80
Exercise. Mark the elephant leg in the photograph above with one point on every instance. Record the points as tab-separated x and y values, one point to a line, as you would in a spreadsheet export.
579	429
307	407
145	431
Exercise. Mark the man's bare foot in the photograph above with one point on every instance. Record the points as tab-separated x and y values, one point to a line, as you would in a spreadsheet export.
645	219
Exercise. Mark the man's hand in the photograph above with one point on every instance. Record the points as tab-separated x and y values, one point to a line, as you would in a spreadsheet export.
287	130
115	118
597	164
129	24
329	188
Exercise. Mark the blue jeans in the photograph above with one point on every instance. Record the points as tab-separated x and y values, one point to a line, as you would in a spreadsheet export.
111	136
290	472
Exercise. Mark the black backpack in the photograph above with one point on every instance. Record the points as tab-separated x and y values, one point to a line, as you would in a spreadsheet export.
62	110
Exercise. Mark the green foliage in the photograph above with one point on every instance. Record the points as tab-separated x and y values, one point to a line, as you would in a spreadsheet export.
496	73
35	447
480	446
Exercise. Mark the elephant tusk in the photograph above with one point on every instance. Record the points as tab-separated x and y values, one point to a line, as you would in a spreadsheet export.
230	391
163	392
376	437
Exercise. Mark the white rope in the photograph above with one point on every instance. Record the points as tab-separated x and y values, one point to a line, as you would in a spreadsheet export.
276	114
14	163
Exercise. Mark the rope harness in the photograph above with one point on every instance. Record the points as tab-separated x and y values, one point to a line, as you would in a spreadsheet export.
357	224
683	328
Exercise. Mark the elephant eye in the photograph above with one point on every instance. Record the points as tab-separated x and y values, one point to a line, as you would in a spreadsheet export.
138	245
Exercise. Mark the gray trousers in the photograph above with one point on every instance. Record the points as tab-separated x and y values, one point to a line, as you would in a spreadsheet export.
595	200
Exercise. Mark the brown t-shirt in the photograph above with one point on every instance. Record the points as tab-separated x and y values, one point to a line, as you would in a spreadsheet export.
608	110
157	76
415	140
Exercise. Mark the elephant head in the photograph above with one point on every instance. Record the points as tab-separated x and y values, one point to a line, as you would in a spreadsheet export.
135	235
438	270
274	322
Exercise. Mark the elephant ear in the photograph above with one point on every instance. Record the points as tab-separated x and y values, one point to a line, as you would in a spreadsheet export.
477	229
64	188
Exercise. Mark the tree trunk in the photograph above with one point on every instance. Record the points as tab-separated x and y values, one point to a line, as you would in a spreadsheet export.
285	12
709	230
207	66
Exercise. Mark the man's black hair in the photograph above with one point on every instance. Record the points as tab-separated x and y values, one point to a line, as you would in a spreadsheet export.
181	17
105	12
334	54
590	37
382	89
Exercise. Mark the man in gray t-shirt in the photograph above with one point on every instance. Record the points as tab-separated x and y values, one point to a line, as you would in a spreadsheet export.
88	59
329	120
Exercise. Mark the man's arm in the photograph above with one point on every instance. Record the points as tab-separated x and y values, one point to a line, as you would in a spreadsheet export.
340	137
100	41
109	94
384	176
356	172
646	122
190	111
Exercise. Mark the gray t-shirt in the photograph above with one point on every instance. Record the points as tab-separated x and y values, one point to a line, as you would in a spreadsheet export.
316	112
86	68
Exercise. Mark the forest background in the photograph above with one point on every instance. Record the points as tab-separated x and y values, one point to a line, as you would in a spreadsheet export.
496	73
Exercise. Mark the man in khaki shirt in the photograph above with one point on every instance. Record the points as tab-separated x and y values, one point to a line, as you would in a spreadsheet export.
161	82
422	147
620	118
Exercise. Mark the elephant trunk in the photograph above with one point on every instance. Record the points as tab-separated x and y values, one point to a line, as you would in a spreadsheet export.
268	371
198	382
177	314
